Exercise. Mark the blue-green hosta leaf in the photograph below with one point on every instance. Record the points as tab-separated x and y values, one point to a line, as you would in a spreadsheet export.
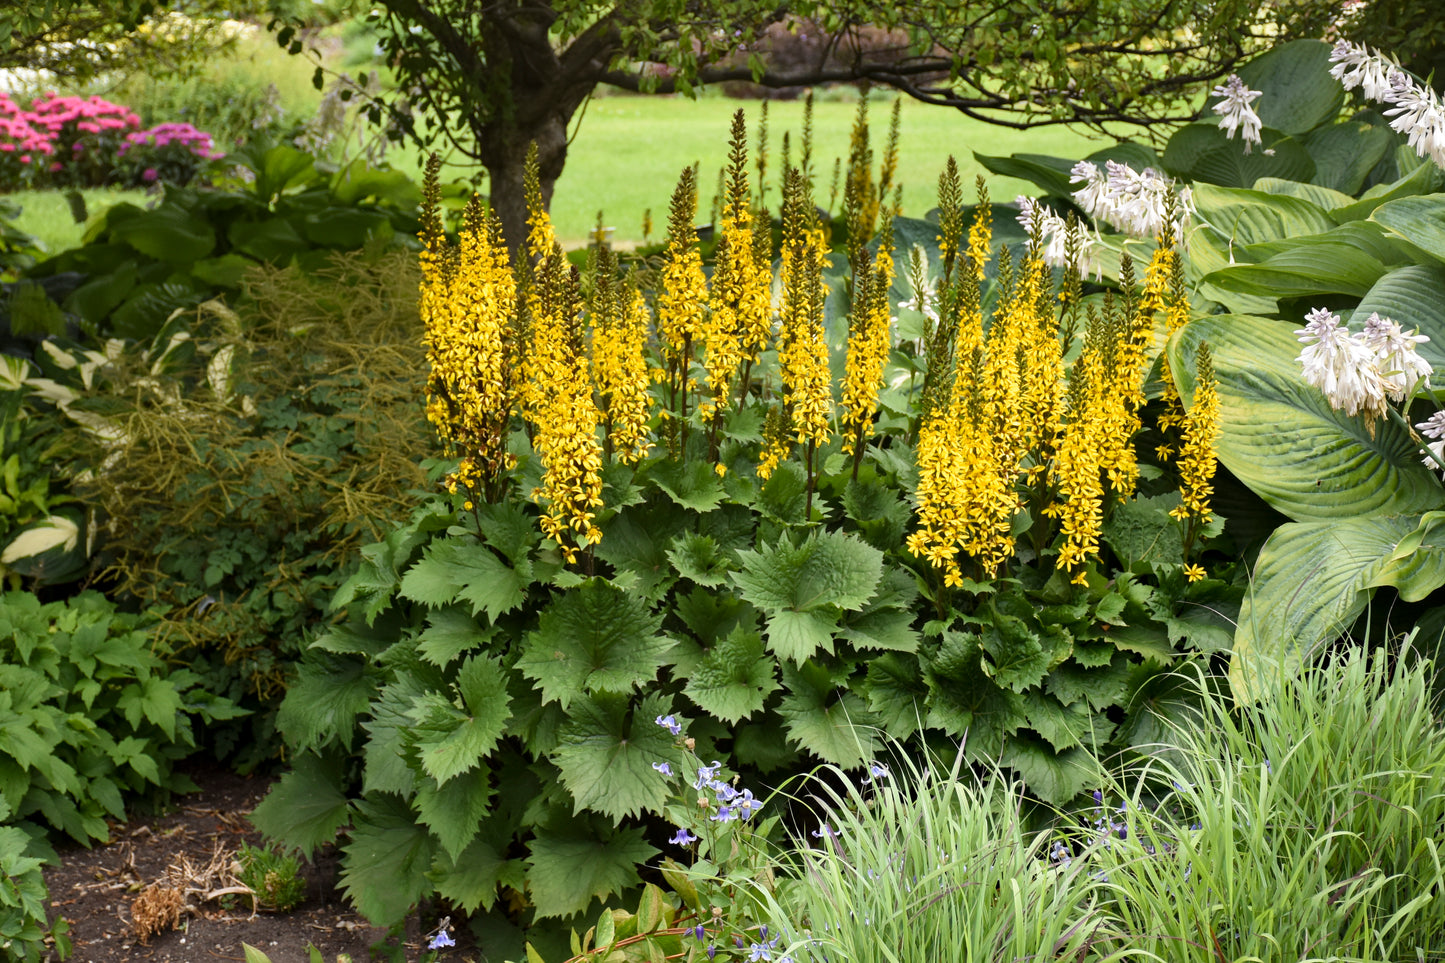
589	859
826	719
306	807
324	701
1056	778
451	741
1345	153
1322	197
1419	220
605	753
1298	95
1411	296
1316	269
1242	217
463	569
1050	173
454	812
1280	437
1313	579
735	678
1422	178
384	869
697	557
470	880
1203	154
804	590
591	638
1367	237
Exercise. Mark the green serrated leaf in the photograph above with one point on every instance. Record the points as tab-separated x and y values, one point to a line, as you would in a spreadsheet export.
1056	778
735	678
470	880
605	753
1101	687
450	632
463	569
587	860
449	741
324	701
453	812
896	693
825	719
1016	656
384	869
306	806
696	557
593	638
690	483
963	700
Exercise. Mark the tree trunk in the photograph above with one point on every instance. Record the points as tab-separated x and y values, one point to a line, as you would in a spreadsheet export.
505	158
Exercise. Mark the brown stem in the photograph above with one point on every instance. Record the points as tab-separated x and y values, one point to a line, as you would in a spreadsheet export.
858	446
808	509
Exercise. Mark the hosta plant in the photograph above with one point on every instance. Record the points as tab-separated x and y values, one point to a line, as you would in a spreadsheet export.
768	514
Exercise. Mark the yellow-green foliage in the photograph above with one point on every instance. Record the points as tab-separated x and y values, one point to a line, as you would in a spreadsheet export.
239	483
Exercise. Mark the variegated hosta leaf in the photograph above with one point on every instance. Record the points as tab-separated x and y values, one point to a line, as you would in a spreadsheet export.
1281	438
1314	578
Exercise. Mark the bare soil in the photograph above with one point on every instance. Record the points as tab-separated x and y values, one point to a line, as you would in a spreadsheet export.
172	875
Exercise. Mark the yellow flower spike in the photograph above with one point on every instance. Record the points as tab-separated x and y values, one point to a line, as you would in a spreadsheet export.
1196	457
682	300
869	340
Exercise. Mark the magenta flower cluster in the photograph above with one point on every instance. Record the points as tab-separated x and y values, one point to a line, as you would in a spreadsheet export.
62	141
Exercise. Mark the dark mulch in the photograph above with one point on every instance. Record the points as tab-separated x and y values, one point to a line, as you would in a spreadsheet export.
96	890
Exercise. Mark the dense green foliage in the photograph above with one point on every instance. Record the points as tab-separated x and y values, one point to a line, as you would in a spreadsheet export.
90	714
24	925
140	265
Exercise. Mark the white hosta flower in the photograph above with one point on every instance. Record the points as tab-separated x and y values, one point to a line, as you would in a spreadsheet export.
1354	66
1414	110
1053	233
1235	112
1341	365
1400	364
1434	428
1131	201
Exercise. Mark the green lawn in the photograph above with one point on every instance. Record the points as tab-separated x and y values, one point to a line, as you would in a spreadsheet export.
629	151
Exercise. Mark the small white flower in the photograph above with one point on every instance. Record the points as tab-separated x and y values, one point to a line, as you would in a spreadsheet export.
1131	201
1053	233
1354	66
1415	110
1341	365
1399	363
1434	427
1235	112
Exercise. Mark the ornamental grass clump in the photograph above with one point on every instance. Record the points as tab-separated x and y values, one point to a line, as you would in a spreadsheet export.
1304	827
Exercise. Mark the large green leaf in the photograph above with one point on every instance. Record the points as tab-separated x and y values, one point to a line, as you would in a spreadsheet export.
1312	580
1050	173
324	701
1280	437
1412	296
1297	93
594	637
1241	217
587	859
735	677
385	866
1203	154
606	750
826	719
463	569
1419	220
1302	271
1344	154
964	701
470	880
454	812
168	233
451	741
804	589
1056	778
306	807
1420	179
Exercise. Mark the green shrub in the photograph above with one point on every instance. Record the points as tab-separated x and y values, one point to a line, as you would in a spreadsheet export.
144	264
24	926
242	459
481	716
90	714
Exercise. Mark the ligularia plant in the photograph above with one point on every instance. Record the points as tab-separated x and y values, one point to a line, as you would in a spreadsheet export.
1416	111
1235	112
1135	202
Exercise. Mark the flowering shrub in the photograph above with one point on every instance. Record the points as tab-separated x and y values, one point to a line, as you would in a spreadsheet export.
88	142
969	538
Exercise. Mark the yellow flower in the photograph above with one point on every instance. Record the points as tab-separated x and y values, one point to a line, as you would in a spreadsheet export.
1194	572
1201	431
869	340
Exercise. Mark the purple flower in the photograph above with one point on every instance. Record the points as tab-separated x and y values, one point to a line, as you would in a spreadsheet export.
682	838
663	767
706	774
876	770
670	724
149	174
699	931
825	832
440	940
725	814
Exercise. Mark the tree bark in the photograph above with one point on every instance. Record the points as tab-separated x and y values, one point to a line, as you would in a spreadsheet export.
503	152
